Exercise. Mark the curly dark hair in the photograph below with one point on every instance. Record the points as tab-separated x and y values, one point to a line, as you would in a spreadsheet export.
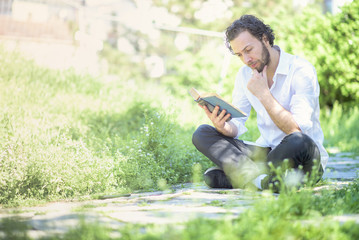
251	24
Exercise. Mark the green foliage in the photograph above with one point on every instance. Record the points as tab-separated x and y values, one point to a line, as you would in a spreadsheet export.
14	229
340	127
341	201
64	135
158	151
295	215
42	155
119	63
85	231
330	43
188	11
201	72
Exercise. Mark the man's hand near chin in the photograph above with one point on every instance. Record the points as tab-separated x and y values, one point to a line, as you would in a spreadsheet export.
258	84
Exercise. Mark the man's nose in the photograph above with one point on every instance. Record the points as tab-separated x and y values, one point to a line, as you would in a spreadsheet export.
246	58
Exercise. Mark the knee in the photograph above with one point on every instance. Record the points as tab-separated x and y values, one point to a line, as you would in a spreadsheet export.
204	131
301	142
298	140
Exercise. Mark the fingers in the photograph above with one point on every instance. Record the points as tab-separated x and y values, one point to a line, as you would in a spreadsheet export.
260	75
264	72
219	119
221	115
226	117
208	113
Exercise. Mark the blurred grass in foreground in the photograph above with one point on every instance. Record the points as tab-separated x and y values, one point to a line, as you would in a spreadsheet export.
294	215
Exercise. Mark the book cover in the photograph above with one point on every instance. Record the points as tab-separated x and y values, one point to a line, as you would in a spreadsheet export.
212	99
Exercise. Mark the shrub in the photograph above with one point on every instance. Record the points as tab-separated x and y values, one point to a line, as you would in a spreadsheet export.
330	43
156	151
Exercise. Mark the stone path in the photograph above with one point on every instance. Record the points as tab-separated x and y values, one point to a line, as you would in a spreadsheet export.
177	205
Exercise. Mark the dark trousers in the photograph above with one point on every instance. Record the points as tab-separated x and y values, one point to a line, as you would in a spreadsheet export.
242	162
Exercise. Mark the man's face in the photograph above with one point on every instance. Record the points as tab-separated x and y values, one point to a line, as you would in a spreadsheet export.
251	51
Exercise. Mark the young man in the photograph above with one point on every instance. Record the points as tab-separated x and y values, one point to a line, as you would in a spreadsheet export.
283	90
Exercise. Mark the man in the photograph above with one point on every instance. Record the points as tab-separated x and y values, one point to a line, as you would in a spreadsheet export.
283	90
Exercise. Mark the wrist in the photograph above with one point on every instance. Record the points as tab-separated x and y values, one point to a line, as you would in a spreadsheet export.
220	130
264	96
229	129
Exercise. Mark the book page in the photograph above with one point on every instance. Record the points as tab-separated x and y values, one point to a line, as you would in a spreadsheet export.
194	93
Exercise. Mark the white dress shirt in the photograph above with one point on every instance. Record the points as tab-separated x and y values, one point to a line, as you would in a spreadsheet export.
296	88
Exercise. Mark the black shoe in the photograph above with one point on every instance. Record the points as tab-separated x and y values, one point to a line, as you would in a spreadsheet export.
269	183
214	177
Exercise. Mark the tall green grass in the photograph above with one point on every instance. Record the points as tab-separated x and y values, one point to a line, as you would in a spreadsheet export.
43	147
340	126
65	135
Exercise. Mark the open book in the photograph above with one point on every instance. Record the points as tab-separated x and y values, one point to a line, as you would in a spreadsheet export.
210	100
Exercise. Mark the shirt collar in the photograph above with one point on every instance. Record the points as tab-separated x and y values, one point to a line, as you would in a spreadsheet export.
283	66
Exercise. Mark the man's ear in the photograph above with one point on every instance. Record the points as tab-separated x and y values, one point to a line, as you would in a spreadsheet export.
265	39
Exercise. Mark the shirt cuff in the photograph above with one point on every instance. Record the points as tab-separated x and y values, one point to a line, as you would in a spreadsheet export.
240	126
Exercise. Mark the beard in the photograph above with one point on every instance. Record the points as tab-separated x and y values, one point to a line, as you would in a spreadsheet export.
265	59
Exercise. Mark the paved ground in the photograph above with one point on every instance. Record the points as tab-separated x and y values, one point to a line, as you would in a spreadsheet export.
176	205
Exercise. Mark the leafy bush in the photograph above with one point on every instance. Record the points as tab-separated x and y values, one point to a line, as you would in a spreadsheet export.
330	43
156	151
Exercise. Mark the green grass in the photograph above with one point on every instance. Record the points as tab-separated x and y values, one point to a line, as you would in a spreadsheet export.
294	215
64	135
340	128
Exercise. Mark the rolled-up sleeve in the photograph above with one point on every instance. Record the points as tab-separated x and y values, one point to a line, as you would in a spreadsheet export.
304	100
